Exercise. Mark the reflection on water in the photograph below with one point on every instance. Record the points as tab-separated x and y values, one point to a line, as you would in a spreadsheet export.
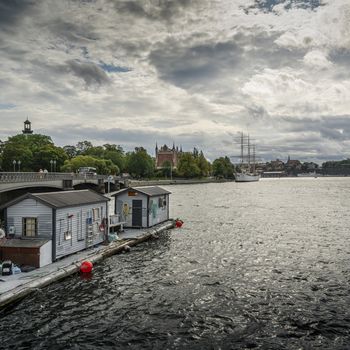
262	265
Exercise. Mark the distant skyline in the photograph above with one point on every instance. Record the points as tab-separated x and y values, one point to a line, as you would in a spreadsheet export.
193	72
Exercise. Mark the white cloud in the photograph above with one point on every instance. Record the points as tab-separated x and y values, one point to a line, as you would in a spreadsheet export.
194	72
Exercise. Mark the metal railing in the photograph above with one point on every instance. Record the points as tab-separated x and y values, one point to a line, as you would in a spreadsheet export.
10	177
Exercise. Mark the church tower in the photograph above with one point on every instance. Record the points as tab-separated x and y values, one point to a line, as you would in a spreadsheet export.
27	127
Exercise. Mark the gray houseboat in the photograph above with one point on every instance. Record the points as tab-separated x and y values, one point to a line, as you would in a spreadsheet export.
43	227
142	207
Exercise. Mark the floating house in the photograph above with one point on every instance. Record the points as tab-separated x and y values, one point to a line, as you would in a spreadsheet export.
142	207
43	227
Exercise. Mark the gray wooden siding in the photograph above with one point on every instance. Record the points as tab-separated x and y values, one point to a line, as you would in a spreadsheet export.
74	220
158	213
33	209
127	215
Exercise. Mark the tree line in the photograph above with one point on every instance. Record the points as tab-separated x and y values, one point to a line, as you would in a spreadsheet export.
30	153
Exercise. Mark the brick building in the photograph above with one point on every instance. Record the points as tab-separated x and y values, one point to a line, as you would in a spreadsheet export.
165	153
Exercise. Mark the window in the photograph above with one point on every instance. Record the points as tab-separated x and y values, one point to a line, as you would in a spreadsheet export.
30	226
68	233
79	227
96	213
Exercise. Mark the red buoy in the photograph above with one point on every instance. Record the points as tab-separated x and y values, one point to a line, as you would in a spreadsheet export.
178	223
86	267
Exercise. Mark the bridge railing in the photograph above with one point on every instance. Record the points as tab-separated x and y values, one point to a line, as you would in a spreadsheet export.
8	177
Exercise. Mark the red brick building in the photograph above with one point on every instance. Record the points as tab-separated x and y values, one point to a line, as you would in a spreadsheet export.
166	153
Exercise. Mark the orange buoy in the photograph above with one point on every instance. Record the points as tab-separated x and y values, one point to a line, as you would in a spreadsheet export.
86	267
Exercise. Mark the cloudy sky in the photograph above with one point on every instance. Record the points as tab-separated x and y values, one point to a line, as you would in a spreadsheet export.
193	72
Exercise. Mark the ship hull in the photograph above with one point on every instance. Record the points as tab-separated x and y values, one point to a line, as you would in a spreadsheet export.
245	177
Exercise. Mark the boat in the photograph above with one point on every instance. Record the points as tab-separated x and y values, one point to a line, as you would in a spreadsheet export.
247	164
311	174
246	177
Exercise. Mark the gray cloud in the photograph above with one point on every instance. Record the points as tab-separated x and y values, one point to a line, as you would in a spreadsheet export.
187	66
154	9
13	11
89	72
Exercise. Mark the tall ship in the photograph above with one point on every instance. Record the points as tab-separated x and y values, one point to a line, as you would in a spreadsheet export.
247	165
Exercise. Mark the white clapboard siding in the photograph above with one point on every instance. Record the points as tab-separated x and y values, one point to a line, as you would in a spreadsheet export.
30	208
74	220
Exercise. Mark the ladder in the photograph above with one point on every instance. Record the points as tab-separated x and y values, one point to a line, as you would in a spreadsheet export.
89	235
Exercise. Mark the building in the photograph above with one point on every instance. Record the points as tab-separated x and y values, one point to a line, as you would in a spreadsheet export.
141	207
165	154
27	127
43	227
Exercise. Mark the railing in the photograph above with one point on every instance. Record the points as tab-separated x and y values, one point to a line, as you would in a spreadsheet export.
8	177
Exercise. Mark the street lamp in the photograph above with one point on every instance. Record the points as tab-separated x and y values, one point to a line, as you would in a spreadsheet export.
14	166
19	166
53	164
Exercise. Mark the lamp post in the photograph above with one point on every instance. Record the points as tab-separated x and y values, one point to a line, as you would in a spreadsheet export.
53	165
19	166
14	166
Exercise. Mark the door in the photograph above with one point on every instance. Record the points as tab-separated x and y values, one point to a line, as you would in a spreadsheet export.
137	213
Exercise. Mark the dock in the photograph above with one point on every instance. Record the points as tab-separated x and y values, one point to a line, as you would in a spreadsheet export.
15	287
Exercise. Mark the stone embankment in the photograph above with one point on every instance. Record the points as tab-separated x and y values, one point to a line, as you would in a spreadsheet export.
135	183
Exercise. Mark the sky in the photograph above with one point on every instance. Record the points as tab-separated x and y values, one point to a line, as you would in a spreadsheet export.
192	72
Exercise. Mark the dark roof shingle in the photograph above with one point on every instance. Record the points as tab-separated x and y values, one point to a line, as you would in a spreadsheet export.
62	199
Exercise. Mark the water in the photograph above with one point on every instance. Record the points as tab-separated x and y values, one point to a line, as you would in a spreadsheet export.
262	265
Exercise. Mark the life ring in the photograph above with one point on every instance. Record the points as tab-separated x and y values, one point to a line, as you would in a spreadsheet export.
101	227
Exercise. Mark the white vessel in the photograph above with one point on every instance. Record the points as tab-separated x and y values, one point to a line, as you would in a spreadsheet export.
246	177
313	174
247	165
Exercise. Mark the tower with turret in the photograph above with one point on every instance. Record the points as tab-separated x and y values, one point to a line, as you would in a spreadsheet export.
27	127
165	153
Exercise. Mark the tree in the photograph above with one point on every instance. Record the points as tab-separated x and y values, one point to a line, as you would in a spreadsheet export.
102	166
167	169
83	146
223	168
203	164
187	166
71	151
33	151
139	163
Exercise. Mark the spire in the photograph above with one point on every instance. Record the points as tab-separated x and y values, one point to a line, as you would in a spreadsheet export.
173	146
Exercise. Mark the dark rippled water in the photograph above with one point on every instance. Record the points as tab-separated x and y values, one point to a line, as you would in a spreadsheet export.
263	265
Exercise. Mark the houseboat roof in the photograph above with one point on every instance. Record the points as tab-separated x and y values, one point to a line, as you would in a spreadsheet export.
23	243
61	199
150	191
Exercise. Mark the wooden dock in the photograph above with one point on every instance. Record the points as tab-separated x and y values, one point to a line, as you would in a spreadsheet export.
15	287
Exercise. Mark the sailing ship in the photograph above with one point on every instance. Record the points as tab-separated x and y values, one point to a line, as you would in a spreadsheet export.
247	164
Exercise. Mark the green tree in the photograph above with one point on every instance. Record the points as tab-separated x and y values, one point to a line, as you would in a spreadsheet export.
33	151
139	163
102	166
71	151
83	146
203	164
223	168
167	169
187	166
116	154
